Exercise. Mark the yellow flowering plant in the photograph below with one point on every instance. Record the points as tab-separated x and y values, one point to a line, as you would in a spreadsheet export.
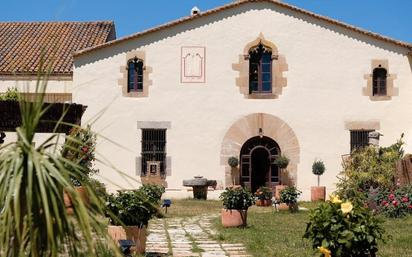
339	228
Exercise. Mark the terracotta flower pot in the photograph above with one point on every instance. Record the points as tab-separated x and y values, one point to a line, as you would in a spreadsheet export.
82	191
234	218
263	203
137	234
283	207
318	193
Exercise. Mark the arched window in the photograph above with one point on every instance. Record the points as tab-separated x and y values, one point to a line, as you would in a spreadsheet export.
260	69
379	81
135	75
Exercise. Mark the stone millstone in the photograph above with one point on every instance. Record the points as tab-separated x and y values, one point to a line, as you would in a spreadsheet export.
199	185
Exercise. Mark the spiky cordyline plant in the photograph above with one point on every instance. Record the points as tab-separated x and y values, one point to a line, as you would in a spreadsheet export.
33	179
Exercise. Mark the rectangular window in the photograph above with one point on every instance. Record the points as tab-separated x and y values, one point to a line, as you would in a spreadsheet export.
359	139
154	149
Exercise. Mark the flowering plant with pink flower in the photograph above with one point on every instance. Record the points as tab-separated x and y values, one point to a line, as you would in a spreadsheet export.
79	149
395	203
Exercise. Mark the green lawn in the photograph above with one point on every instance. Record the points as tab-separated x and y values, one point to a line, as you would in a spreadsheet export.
279	234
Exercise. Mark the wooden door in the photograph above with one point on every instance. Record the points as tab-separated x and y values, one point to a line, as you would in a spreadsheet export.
246	171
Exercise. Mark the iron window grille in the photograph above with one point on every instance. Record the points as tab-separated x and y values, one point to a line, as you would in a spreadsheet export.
359	139
260	69
135	75
154	149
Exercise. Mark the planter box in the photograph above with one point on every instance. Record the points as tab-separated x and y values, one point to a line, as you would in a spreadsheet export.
234	218
137	234
318	193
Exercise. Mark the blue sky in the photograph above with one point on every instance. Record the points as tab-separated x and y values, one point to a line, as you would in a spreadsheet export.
391	18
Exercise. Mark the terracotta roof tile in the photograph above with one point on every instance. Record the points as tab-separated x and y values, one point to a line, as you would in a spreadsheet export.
241	2
22	44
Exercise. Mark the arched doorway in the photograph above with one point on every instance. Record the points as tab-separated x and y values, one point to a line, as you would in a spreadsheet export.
256	163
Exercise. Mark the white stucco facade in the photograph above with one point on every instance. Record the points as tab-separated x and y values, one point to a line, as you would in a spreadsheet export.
326	68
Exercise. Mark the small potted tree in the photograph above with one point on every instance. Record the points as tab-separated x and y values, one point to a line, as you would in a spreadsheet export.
234	163
264	196
129	213
289	196
282	162
236	202
318	193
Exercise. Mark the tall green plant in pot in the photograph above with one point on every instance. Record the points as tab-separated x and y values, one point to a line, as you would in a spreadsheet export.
282	162
33	220
233	163
318	193
236	202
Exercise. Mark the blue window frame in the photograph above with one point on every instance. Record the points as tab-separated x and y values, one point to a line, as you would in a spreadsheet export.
260	69
135	75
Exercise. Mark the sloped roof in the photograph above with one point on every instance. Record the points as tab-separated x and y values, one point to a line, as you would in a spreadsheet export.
24	45
239	3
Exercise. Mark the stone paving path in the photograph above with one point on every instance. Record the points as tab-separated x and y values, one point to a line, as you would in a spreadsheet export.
189	237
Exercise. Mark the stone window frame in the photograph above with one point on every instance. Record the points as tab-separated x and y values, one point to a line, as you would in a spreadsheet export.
362	125
141	55
390	88
279	66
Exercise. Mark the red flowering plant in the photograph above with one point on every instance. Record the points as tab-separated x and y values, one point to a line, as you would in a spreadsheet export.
79	149
395	203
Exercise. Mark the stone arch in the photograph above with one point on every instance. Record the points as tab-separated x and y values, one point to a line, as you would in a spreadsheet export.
249	126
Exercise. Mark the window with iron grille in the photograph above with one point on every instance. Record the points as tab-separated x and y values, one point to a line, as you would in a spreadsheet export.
359	139
154	149
379	81
135	75
260	69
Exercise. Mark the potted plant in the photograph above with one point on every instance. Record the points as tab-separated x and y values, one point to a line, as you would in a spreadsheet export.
289	196
153	192
79	149
236	202
129	213
282	162
263	196
233	162
318	193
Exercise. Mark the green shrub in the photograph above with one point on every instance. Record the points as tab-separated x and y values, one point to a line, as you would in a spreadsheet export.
153	192
233	162
281	161
290	196
264	193
368	168
345	230
12	94
130	208
237	198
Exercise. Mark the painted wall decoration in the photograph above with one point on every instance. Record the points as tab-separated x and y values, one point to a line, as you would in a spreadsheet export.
193	64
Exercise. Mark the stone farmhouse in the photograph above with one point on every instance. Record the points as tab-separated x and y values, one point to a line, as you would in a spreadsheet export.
253	79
